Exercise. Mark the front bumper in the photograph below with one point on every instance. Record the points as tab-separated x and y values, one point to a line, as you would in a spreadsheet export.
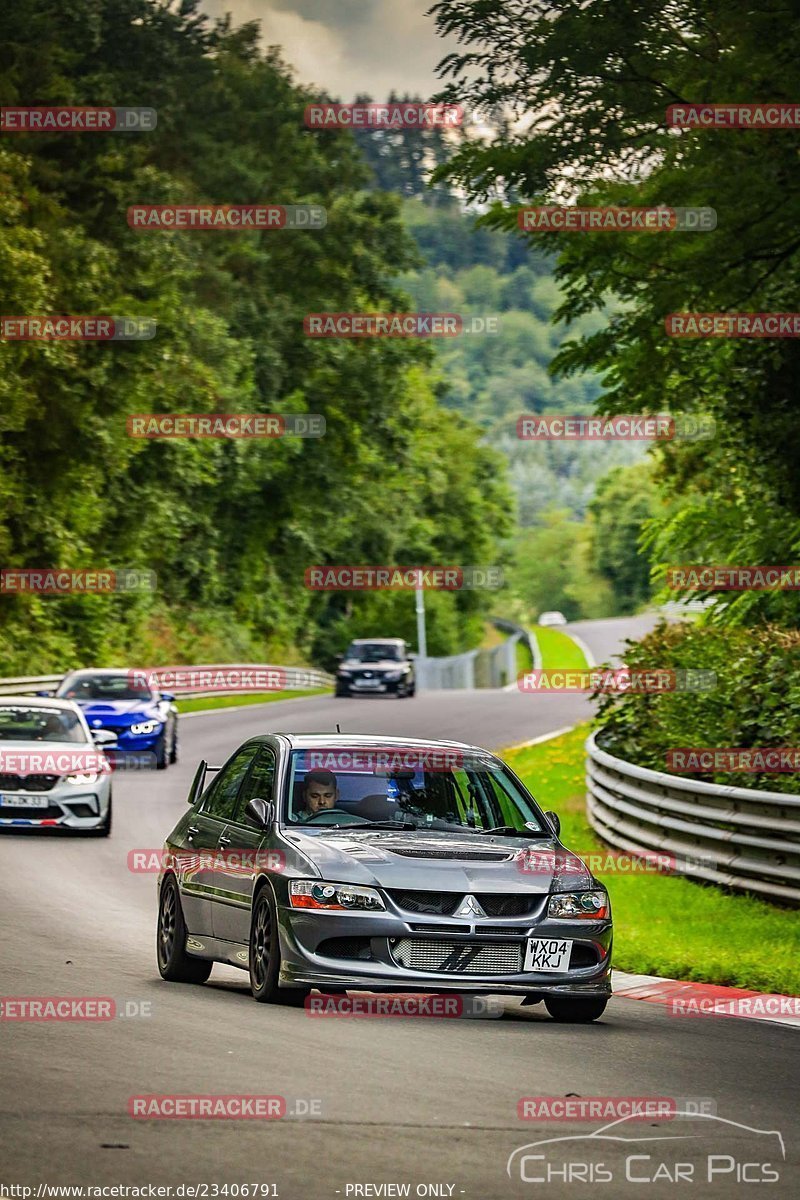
307	939
382	688
68	807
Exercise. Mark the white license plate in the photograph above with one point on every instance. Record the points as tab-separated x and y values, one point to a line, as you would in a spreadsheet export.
368	683
547	954
24	801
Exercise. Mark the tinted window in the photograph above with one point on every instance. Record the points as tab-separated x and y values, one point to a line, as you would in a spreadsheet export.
259	783
221	799
86	687
34	724
375	652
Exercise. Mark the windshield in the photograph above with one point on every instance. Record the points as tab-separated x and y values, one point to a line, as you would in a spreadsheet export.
420	788
374	652
19	723
103	687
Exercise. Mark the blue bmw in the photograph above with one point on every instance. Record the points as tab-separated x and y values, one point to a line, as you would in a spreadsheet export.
144	720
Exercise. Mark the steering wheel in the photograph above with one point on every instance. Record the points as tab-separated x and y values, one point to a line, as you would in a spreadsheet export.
330	816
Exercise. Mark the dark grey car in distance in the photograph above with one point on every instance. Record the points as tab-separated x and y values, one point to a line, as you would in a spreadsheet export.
375	667
381	864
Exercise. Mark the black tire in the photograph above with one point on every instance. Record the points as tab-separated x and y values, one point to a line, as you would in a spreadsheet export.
161	751
173	754
174	963
412	691
341	693
265	955
575	1010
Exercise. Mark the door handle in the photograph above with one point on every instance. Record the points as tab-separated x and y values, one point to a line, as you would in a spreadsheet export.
192	831
225	840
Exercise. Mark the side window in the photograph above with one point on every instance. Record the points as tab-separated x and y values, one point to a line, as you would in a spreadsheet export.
259	783
221	799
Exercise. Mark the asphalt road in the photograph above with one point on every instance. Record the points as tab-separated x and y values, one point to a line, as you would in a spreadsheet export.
399	1102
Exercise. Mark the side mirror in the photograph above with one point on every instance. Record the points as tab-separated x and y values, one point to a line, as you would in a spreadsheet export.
554	822
260	813
167	696
104	737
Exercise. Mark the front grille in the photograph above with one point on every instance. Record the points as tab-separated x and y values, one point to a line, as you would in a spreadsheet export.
438	904
51	813
346	947
505	904
27	783
454	855
458	958
434	927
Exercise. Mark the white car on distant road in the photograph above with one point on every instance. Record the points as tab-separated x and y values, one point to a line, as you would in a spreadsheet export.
53	772
552	618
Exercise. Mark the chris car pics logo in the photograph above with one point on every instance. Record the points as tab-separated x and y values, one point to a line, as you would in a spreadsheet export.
705	1148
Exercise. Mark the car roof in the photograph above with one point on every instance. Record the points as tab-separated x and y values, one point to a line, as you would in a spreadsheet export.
105	671
368	741
41	702
379	641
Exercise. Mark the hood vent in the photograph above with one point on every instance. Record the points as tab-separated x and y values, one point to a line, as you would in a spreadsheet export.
453	855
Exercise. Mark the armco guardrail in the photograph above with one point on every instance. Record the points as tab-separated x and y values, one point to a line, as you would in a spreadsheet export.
296	679
492	667
736	837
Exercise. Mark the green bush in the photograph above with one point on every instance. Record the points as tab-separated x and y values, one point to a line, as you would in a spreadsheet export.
755	703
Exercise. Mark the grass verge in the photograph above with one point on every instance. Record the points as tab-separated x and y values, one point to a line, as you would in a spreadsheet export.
665	925
201	703
559	652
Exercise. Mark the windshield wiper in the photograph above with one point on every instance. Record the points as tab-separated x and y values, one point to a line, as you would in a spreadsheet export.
382	825
528	833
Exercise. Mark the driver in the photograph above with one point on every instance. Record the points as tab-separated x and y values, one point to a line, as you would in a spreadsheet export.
320	791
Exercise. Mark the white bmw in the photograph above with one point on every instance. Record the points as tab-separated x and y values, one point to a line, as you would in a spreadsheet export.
53	772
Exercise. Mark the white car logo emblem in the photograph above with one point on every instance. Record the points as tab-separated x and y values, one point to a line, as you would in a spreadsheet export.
469	907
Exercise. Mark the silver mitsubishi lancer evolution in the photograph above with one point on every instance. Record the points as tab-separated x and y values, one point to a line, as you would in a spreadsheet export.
381	864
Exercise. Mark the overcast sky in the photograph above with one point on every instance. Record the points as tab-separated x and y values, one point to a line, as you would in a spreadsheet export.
347	47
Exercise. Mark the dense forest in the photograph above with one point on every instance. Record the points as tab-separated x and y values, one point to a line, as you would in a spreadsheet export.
228	527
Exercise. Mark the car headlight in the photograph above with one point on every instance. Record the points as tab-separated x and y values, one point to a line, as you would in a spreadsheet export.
582	906
342	897
393	676
344	671
82	777
146	727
